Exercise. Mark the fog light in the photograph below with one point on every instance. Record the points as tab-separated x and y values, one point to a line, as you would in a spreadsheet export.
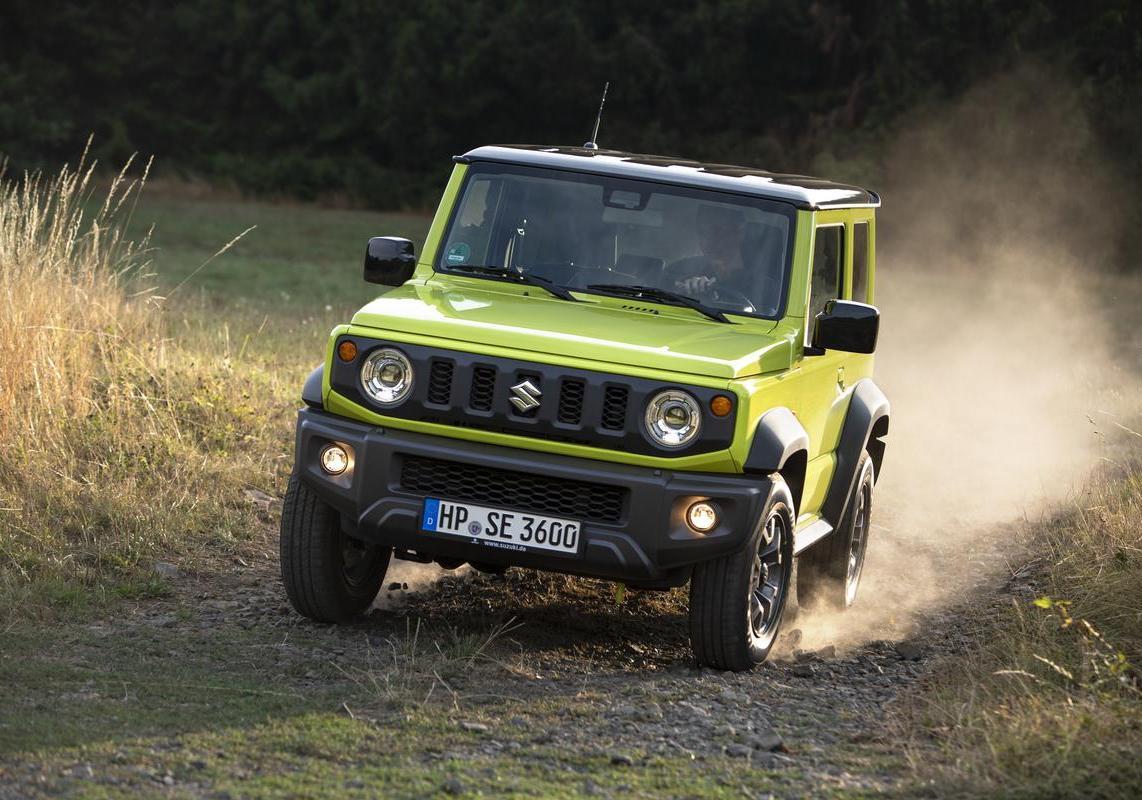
702	517
334	459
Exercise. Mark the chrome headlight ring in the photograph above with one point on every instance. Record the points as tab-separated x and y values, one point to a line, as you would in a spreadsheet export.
387	376
673	418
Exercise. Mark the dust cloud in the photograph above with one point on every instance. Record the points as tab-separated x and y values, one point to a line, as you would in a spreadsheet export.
409	577
1004	320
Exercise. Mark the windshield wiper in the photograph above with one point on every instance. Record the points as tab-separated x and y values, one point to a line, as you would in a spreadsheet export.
507	274
659	295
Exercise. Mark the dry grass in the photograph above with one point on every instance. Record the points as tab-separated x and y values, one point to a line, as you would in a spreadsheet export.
127	431
1050	703
414	669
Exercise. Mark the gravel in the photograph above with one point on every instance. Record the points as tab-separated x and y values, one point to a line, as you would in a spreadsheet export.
580	673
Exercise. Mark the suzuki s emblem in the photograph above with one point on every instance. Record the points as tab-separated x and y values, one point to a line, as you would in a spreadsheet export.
525	396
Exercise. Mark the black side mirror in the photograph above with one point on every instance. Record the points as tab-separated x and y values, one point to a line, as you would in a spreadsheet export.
847	326
389	260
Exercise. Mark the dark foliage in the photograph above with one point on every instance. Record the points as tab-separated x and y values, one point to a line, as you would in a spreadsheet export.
368	99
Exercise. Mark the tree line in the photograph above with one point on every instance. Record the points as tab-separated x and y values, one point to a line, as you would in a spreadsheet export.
368	99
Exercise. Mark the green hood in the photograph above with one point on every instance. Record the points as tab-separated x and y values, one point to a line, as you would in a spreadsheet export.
603	329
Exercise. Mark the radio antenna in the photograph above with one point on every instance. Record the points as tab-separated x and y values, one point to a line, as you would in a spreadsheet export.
591	145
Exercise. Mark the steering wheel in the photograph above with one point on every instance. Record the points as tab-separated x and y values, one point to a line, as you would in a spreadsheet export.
729	298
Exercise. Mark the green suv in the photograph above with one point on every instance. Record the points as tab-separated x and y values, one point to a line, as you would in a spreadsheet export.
643	369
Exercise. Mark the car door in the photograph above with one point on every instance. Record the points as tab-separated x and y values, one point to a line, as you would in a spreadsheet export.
825	388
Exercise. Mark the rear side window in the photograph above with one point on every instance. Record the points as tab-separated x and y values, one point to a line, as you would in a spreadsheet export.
828	267
860	262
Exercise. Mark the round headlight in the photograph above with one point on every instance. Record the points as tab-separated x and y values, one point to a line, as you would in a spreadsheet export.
673	418
387	376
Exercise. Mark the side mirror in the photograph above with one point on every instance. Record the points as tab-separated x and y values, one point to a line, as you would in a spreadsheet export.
389	260
847	326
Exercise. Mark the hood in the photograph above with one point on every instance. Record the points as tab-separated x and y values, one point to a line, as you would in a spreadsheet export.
605	329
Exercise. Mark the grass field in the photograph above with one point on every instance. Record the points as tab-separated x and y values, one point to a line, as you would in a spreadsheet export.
297	256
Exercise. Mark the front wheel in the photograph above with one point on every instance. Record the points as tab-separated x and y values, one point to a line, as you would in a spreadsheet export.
328	575
736	602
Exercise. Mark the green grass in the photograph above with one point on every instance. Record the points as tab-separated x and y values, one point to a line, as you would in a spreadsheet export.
299	256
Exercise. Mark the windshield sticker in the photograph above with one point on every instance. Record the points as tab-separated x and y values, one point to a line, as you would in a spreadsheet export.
459	253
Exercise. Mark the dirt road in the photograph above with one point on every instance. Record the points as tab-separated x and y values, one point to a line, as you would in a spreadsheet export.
519	683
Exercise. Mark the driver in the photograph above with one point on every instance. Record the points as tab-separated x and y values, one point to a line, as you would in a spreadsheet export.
721	233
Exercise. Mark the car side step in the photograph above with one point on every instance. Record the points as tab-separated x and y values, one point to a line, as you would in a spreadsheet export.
810	535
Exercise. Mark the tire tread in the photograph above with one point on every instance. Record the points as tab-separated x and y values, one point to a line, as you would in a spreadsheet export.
312	581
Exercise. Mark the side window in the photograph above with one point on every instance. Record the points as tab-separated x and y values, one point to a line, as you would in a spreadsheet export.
828	268
860	262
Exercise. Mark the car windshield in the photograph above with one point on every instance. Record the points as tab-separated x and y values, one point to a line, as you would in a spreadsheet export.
600	234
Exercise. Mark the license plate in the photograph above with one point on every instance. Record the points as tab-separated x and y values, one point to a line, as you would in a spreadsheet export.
495	527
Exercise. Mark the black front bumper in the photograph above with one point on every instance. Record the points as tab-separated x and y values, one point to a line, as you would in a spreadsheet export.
641	539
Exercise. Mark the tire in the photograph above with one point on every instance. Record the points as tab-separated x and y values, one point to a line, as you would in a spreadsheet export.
328	576
737	601
829	572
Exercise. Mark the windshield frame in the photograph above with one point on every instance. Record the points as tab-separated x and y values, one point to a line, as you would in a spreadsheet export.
478	169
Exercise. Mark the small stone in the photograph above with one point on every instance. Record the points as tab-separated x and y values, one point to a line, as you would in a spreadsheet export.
621	760
452	786
696	711
803	670
729	696
827	652
651	712
802	656
766	761
909	651
394	586
766	740
260	499
727	730
738	751
792	638
165	568
474	727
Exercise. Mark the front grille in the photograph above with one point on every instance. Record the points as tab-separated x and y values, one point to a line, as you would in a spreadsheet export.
615	408
585	407
440	382
452	480
483	388
571	401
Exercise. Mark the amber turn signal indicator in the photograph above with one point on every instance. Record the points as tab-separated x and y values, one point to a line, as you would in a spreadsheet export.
721	405
347	350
